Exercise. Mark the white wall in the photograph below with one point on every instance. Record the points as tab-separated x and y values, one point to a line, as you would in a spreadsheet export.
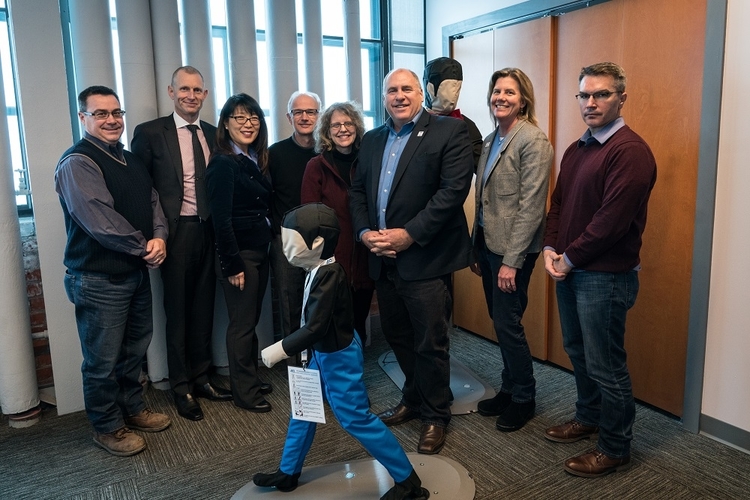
726	392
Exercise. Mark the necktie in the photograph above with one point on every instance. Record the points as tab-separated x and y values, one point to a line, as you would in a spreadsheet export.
199	161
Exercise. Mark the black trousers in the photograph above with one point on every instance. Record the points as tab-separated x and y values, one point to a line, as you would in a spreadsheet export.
414	316
189	291
244	308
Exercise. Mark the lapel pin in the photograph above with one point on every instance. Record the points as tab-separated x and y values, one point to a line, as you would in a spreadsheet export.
420	133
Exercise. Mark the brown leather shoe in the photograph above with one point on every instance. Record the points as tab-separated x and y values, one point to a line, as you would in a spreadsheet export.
398	415
570	432
432	439
594	463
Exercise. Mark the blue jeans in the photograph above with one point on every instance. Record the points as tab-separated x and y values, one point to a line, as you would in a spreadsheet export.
414	316
593	307
115	323
506	311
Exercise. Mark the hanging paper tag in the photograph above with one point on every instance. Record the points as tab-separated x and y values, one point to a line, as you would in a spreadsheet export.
306	395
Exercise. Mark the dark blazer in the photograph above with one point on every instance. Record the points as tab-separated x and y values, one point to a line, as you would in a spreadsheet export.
240	199
431	183
156	143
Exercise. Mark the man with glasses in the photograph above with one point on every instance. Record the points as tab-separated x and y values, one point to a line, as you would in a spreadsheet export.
287	160
116	230
592	243
175	150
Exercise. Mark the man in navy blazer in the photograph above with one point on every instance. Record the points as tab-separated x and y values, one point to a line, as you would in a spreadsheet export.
176	150
407	200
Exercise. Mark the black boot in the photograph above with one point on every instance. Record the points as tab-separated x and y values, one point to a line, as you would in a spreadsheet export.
283	482
408	489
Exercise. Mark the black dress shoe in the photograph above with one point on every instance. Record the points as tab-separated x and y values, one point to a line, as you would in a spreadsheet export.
261	407
213	392
432	439
188	407
265	388
398	415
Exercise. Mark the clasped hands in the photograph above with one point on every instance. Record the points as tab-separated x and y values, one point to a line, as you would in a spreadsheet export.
555	265
387	242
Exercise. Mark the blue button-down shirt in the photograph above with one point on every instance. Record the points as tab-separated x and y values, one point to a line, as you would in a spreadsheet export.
394	147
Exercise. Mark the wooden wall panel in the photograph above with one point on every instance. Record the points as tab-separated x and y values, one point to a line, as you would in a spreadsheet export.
660	44
526	46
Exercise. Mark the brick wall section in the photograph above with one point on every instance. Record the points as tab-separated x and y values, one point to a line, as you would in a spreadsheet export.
35	293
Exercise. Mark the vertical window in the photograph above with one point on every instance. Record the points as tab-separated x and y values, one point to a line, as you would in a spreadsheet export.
20	171
407	35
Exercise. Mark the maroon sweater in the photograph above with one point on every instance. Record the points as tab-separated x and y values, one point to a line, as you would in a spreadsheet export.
598	209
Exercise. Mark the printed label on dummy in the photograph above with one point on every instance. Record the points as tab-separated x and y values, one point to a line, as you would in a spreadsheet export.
306	395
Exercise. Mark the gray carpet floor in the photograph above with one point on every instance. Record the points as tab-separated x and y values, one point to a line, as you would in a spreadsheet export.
212	459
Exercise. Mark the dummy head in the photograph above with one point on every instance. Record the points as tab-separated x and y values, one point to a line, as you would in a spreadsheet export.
309	234
442	82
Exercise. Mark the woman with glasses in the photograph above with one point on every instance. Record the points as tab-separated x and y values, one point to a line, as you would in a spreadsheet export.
240	197
327	179
511	194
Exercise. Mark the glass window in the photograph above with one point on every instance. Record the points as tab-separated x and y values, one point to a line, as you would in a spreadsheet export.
407	35
18	161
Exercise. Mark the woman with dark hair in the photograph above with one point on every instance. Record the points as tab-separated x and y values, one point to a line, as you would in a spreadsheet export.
327	179
240	197
511	195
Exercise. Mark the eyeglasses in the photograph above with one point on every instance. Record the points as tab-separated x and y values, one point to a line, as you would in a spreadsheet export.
602	95
241	120
100	114
309	112
337	126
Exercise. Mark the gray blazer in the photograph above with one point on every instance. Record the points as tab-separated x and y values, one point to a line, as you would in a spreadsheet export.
514	198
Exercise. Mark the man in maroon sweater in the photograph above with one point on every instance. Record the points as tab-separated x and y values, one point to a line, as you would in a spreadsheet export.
592	244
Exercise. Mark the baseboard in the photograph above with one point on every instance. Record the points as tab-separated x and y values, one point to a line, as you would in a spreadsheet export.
725	433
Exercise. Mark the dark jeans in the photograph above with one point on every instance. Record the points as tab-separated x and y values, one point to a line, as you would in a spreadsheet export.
288	289
244	308
593	307
114	318
189	290
506	311
414	316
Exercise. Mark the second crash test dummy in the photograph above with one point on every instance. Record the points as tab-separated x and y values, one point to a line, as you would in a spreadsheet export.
309	234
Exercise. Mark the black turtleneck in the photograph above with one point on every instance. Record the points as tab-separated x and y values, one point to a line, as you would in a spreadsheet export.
343	162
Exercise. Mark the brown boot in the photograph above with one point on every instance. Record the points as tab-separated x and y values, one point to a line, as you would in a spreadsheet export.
122	443
148	421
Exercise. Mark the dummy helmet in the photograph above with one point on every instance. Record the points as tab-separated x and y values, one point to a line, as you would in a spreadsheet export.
309	234
448	73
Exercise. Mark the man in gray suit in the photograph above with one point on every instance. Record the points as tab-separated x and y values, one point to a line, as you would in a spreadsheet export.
175	149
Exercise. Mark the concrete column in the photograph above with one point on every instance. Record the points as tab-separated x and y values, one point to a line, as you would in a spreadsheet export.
91	38
18	384
139	94
41	80
165	36
196	29
243	49
353	49
136	62
281	40
312	43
